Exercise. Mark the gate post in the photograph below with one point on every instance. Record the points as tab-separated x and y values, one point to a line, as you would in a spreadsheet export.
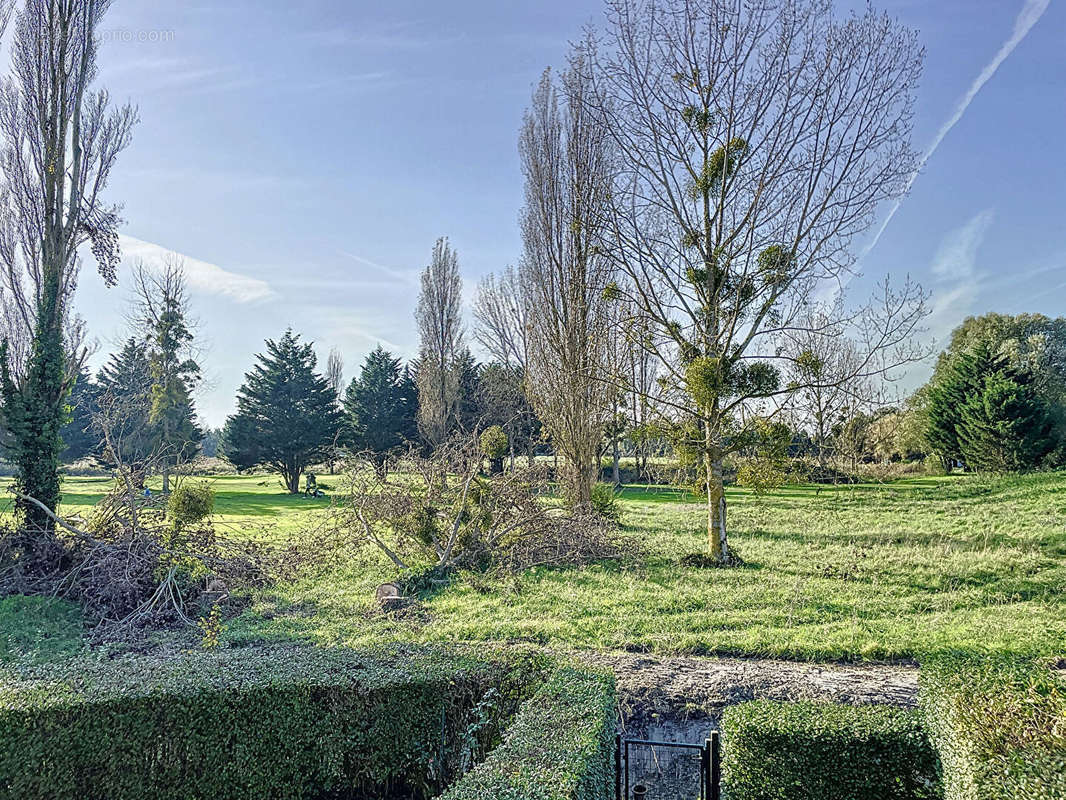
618	766
716	765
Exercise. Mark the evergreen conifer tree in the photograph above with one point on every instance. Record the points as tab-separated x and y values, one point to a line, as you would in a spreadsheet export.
287	413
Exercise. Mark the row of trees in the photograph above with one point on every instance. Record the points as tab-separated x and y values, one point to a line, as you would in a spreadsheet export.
290	416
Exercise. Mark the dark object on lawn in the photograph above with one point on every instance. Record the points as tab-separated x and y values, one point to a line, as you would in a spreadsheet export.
707	561
640	792
390	598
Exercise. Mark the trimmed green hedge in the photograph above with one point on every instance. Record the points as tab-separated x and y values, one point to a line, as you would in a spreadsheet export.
999	725
278	722
560	746
822	751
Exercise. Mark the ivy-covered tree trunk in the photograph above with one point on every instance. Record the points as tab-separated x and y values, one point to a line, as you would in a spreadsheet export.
37	413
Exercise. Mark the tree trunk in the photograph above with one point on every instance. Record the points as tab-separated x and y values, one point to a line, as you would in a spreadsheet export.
166	479
717	543
615	465
292	479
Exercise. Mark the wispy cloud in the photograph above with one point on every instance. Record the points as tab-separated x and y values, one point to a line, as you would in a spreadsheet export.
408	277
954	268
956	257
1030	14
407	34
202	276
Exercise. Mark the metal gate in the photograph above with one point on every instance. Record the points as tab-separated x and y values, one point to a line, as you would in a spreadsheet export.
709	769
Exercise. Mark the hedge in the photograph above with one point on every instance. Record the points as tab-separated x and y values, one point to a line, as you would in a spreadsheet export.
278	722
822	751
999	725
559	747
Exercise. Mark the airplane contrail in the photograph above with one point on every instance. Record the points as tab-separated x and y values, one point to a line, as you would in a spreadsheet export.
1027	18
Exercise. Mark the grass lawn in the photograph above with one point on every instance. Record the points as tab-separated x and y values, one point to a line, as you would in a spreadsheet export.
856	572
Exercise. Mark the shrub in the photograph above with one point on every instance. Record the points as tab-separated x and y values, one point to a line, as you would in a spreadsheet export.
605	502
280	722
191	502
823	751
999	725
494	443
560	746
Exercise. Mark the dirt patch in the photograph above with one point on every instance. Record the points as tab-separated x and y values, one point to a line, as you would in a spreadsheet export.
707	685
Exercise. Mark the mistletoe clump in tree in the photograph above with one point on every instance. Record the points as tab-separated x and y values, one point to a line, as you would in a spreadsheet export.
287	414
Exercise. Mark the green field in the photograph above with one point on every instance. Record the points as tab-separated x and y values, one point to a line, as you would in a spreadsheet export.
892	571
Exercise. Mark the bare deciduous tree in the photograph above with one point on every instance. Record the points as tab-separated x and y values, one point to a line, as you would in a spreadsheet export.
441	340
335	371
754	142
58	143
838	371
502	317
566	274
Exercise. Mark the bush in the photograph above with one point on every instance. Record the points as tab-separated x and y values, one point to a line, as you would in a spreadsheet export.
999	725
191	502
494	442
822	751
605	503
560	746
279	722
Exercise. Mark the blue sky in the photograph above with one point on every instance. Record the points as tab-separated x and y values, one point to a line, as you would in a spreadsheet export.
304	158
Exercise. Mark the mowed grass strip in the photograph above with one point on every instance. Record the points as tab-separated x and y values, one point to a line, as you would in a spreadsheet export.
895	571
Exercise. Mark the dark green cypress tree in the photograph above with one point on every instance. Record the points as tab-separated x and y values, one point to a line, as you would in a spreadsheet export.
1005	426
125	393
380	408
947	397
287	414
79	435
468	411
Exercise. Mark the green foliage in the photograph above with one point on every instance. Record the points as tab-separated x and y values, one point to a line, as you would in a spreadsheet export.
1029	343
381	407
1004	426
765	466
176	436
999	725
287	415
125	387
560	746
281	722
80	439
502	401
988	414
822	751
191	502
35	408
494	446
604	500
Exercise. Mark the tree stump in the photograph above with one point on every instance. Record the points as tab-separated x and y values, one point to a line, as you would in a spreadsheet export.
389	597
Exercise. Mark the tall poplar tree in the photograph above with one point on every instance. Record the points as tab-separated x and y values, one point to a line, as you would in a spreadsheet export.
59	140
